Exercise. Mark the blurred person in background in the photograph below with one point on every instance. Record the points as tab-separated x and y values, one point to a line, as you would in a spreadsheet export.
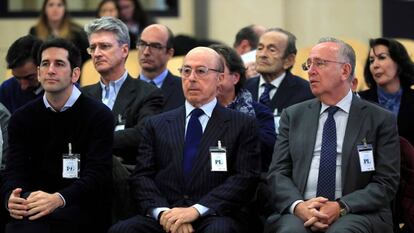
135	17
389	74
108	8
55	22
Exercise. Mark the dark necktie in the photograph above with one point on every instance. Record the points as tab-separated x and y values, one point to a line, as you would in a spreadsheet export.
265	97
327	165
153	83
192	141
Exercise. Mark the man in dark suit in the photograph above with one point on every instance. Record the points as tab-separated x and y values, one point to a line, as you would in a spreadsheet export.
155	49
130	100
276	87
195	172
335	170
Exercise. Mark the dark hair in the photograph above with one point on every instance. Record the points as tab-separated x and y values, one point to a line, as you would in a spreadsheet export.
100	5
23	50
140	15
247	33
399	55
74	56
233	61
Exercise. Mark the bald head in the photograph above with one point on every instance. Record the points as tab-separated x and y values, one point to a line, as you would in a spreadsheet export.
203	70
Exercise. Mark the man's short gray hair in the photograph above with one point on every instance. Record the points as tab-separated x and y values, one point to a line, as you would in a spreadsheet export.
346	52
109	24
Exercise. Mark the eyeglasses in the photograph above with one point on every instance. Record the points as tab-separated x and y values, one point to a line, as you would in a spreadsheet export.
200	71
318	62
102	46
142	45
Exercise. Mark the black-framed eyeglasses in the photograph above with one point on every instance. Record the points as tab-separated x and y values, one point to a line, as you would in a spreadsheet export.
200	71
318	62
142	45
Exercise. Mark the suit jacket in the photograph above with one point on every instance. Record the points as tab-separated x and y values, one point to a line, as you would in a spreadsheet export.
158	181
361	191
292	90
135	101
405	114
173	92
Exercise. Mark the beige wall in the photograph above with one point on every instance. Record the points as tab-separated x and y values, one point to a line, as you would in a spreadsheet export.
307	19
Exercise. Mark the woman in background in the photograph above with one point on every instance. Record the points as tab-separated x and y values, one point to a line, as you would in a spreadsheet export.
55	22
108	8
389	74
134	16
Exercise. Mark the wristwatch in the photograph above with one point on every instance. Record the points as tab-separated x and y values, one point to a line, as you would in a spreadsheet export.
343	210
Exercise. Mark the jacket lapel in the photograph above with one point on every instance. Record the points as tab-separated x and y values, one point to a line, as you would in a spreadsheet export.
125	96
309	131
216	126
354	125
167	87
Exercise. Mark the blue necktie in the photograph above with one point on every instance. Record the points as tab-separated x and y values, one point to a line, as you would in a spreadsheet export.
265	97
153	83
327	165
192	141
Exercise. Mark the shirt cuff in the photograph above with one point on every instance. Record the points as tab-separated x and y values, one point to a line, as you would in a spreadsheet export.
202	210
156	211
63	199
293	206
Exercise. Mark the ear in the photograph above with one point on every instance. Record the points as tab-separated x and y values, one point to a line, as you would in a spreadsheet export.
125	50
38	73
244	46
236	78
75	74
289	61
170	52
346	71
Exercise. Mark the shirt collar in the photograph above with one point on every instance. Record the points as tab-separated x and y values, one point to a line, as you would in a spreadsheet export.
157	80
344	104
69	103
276	82
207	108
117	83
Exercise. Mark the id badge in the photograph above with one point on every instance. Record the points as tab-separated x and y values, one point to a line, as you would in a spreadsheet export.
218	158
366	157
120	123
70	165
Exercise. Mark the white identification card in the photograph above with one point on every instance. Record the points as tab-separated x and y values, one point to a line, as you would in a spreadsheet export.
366	158
218	158
119	127
70	164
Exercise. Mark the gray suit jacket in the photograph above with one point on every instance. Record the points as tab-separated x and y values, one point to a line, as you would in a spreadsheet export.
362	191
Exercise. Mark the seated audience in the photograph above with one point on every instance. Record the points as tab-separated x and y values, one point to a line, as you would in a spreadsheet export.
198	165
23	86
58	170
108	8
389	74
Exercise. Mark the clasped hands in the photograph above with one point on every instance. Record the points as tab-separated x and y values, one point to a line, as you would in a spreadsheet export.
178	220
35	206
318	213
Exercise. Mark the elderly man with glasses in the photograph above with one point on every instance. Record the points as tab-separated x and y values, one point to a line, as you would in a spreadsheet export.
155	49
199	164
336	162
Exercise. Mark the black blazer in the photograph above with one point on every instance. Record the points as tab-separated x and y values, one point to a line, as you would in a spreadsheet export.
135	101
173	92
405	115
158	181
292	90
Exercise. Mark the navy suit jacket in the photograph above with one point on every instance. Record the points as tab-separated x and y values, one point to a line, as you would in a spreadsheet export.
405	115
172	90
292	90
135	101
158	181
